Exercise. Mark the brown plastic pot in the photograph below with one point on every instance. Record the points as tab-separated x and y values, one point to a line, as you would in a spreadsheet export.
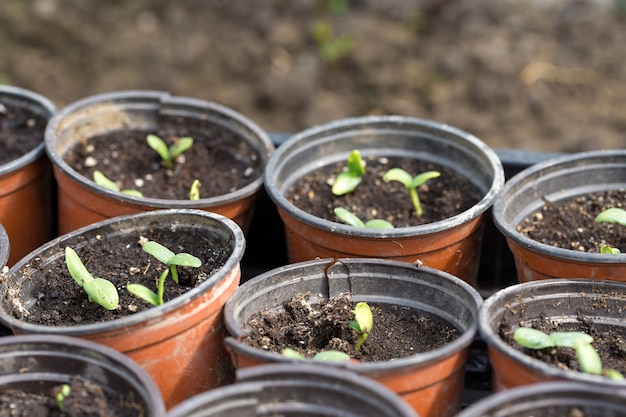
558	179
452	245
37	363
431	382
559	300
180	343
26	186
82	202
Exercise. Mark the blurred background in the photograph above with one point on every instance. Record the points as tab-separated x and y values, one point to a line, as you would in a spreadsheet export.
545	75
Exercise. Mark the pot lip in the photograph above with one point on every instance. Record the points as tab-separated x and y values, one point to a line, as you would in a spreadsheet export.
494	341
421	359
151	314
509	230
563	390
5	247
473	212
40	101
163	98
153	396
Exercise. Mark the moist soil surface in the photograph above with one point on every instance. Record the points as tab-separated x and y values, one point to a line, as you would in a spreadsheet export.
21	131
440	197
310	326
221	160
61	302
569	224
86	399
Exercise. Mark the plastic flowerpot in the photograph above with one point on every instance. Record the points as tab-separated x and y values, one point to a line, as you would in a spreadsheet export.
288	390
179	343
555	180
452	245
26	185
82	202
431	382
560	301
551	399
37	363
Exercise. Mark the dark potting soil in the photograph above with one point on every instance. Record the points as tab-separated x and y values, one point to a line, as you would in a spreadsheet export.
61	302
609	342
569	224
86	399
441	198
311	326
221	160
20	131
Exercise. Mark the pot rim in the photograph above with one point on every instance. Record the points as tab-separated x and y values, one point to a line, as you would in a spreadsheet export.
154	312
494	341
162	98
5	247
48	110
419	359
372	122
553	164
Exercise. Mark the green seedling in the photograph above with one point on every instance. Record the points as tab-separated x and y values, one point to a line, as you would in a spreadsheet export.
362	323
350	218
350	178
612	215
99	290
194	191
588	358
411	184
63	393
103	181
326	356
169	153
170	259
609	250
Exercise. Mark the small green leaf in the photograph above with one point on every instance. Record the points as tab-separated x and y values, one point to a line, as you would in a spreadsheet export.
588	358
102	292
76	268
291	353
161	148
331	356
363	316
180	146
378	224
609	250
185	259
424	177
612	215
348	217
63	393
569	339
355	163
613	374
532	338
144	293
134	193
159	251
345	183
194	191
400	175
103	181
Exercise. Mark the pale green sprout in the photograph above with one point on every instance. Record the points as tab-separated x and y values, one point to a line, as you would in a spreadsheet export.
63	393
99	290
348	180
103	181
326	356
351	219
362	323
169	153
612	215
609	250
194	191
588	358
411	184
170	259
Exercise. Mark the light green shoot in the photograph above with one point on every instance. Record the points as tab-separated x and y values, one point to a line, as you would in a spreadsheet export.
99	290
326	356
411	184
103	181
194	191
609	250
612	215
362	323
350	178
587	356
170	259
63	393
169	154
350	218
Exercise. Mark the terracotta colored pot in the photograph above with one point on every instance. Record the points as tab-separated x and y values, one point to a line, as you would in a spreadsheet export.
36	363
26	187
179	343
560	300
551	399
558	179
452	245
305	389
82	202
431	382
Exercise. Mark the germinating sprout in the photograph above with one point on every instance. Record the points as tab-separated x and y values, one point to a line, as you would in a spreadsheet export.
350	178
350	218
99	290
103	181
169	153
362	323
411	184
194	191
326	356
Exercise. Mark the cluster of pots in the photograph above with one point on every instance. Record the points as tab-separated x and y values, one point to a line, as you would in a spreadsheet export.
186	357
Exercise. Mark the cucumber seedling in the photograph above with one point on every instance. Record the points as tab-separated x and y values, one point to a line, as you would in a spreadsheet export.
169	153
611	215
350	218
411	184
103	181
194	191
99	290
350	177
